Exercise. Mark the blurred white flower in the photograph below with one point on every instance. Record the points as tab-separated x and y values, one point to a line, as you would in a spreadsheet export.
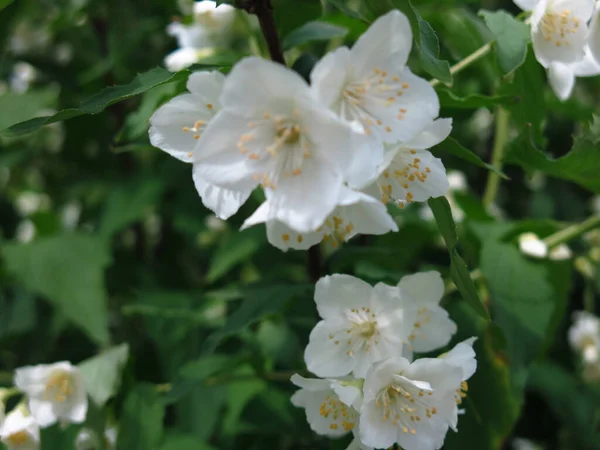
20	432
213	223
457	182
29	202
560	252
411	404
432	327
56	392
70	215
361	325
562	75
178	124
524	444
87	440
25	231
531	245
371	84
356	213
594	39
22	77
584	336
181	59
271	131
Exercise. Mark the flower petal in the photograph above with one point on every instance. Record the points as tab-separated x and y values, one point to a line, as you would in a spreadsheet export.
368	216
550	45
562	79
435	330
526	5
431	135
207	85
181	59
329	77
374	431
327	354
338	292
423	288
594	38
463	356
588	66
223	202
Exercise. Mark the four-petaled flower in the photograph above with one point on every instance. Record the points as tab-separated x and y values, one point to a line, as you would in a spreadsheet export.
56	392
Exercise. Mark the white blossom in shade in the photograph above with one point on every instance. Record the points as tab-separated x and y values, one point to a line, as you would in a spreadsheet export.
87	440
356	213
178	124
558	28
560	253
531	245
524	444
410	173
20	432
562	76
329	404
411	404
584	336
271	131
371	84
181	59
432	327
56	392
361	325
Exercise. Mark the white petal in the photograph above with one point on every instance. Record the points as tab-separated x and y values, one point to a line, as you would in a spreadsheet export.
550	45
562	79
302	202
208	86
217	158
223	202
582	9
387	42
31	379
336	293
594	38
380	375
284	238
350	395
43	412
181	59
531	245
526	5
463	356
433	134
424	288
435	329
442	376
171	124
260	215
587	66
255	86
374	431
326	354
329	77
311	384
366	214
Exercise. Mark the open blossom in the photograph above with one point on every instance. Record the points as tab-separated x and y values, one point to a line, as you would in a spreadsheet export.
371	84
410	173
361	325
330	405
56	392
584	336
20	432
178	124
356	213
411	404
432	327
271	131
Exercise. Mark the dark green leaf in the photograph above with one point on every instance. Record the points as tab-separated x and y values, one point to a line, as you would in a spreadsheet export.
341	5
141	421
443	216
449	99
291	14
313	31
69	271
258	304
97	103
185	442
511	38
453	147
4	4
102	373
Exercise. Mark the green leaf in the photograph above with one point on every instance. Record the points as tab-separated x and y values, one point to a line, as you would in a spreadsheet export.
452	146
291	14
5	3
581	165
15	107
313	31
97	103
128	203
68	270
141	421
458	268
511	38
258	303
238	248
449	99
341	5
102	373
185	442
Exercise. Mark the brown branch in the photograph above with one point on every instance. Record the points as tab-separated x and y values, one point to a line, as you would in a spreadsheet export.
264	11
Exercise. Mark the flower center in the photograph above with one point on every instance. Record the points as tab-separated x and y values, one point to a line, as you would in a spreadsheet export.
59	387
367	329
288	134
336	229
423	318
556	27
405	405
403	172
338	413
461	392
18	438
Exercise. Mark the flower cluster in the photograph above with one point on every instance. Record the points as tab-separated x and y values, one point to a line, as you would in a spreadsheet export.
55	393
566	40
329	155
210	26
363	348
584	337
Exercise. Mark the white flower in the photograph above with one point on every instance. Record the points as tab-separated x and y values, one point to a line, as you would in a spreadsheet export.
530	244
562	76
584	336
178	124
594	39
329	404
457	183
86	439
212	17
410	173
271	131
462	356
20	432
361	324
411	404
356	213
56	392
558	28
560	252
524	444
209	23
371	84
181	59
432	327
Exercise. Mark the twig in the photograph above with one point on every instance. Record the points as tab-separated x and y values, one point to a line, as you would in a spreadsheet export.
264	11
466	62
